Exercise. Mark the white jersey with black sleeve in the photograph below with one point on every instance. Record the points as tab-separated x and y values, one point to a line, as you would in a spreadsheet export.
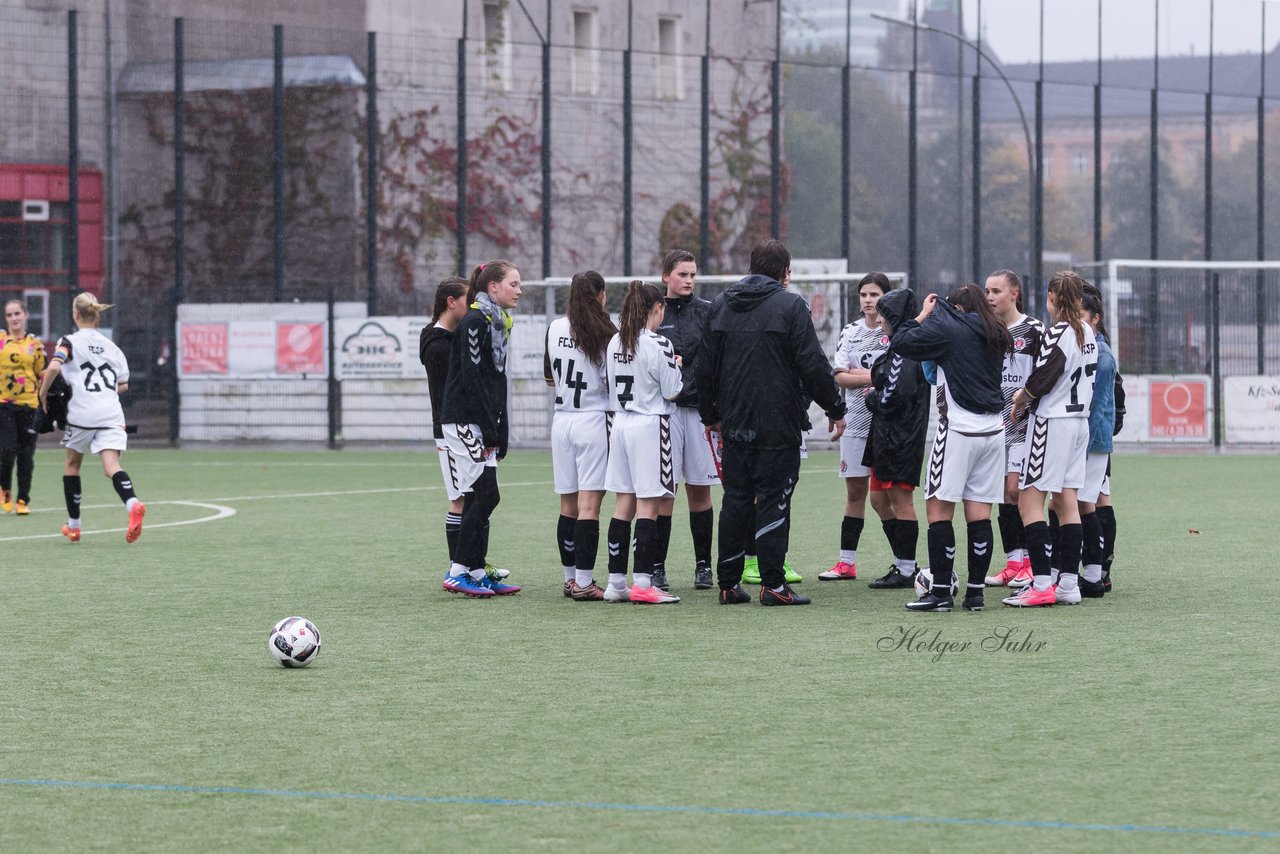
859	346
1028	335
647	381
95	368
580	384
1062	381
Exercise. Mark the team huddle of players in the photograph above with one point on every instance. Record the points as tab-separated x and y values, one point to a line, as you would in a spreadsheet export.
1024	412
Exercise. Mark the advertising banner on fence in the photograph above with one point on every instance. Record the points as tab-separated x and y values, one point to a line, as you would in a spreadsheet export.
1167	408
1252	409
252	349
378	348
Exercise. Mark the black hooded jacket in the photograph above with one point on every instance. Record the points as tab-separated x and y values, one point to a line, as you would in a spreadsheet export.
682	325
434	345
760	356
899	402
475	391
956	341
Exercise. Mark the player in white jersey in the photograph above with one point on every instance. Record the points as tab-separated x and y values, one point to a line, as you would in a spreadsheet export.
1004	295
1060	388
967	343
861	343
574	365
97	372
644	379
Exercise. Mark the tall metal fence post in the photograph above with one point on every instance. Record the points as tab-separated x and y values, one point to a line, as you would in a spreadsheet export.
1216	294
775	130
73	150
546	150
179	226
1260	290
333	387
627	211
461	177
1037	227
846	176
372	135
704	165
1097	168
913	270
975	172
277	159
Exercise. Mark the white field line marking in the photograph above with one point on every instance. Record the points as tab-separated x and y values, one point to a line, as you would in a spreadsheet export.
220	512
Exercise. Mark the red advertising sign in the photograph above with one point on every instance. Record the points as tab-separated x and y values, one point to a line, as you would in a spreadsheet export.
300	348
1178	409
204	348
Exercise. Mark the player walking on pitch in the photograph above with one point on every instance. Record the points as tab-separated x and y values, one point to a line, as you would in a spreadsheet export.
574	365
474	419
1060	390
97	372
644	380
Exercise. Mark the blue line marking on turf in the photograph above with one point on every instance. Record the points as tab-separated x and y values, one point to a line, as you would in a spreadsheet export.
658	808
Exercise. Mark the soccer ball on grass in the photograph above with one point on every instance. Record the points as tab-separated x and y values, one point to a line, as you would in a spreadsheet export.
924	580
294	642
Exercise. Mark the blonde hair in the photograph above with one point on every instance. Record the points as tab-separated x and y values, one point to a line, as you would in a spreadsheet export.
88	309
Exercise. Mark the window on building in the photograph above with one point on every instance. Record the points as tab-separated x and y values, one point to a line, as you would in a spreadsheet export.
1080	162
670	65
497	46
585	63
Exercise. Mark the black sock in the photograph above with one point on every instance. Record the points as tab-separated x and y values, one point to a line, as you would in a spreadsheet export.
71	491
1070	542
661	542
701	523
850	533
452	522
1036	536
586	541
1010	528
124	486
942	555
646	544
1092	550
564	539
619	541
1107	516
980	547
906	533
890	527
1055	531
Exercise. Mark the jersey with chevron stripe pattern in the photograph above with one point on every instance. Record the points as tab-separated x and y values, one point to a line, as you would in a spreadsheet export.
858	348
647	381
1028	335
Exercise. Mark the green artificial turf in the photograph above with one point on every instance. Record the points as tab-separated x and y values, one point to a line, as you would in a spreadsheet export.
145	666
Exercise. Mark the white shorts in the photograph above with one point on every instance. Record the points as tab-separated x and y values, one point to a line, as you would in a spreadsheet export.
1056	450
690	450
449	470
465	444
640	459
579	450
94	439
1095	477
851	450
966	468
1015	456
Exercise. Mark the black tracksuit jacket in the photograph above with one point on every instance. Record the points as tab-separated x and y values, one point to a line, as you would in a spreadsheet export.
475	391
899	402
434	345
683	325
955	340
759	357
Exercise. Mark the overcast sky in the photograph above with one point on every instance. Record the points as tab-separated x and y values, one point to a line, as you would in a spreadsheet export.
1129	27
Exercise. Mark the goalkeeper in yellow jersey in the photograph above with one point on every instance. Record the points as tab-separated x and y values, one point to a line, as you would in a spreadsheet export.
22	361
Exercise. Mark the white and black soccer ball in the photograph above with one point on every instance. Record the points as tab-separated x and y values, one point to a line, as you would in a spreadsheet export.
294	642
924	581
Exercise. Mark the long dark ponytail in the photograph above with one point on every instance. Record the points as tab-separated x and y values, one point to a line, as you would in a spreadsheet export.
636	305
589	324
969	298
1068	289
450	288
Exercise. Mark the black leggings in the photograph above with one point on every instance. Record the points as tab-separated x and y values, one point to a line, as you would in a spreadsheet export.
17	443
473	533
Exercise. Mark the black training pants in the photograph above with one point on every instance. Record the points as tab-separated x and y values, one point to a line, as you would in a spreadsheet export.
765	477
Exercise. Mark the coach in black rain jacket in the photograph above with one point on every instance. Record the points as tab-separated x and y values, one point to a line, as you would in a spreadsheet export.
682	325
759	341
899	402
